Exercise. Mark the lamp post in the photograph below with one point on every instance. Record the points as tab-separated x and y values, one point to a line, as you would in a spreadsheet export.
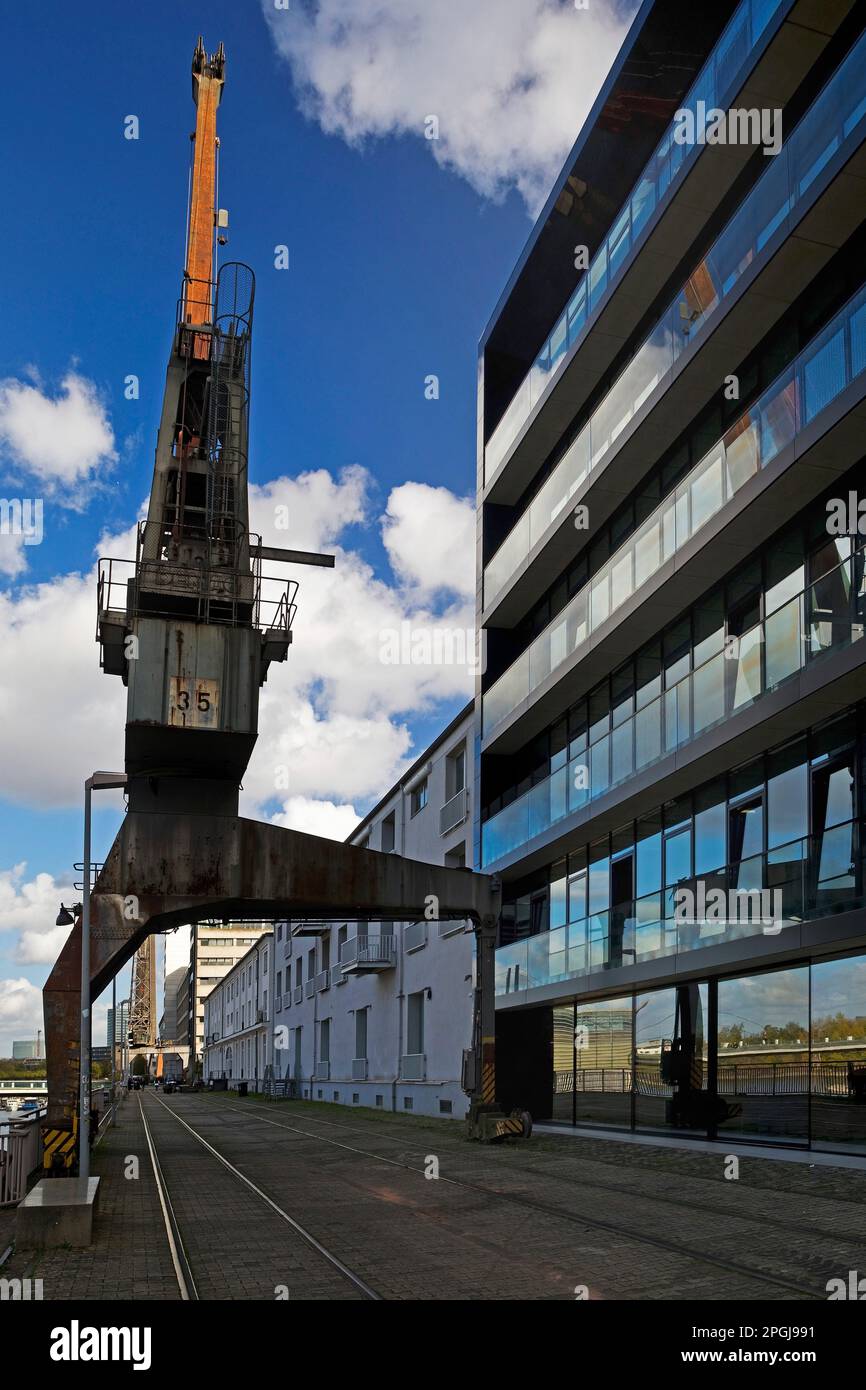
99	781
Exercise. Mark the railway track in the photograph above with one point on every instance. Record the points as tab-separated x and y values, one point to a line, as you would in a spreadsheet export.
679	1248
189	1287
677	1201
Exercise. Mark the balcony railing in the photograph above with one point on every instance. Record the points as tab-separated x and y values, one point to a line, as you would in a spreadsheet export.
813	381
337	976
837	112
364	953
814	876
447	928
322	981
826	617
415	936
359	1069
322	1071
454	811
299	994
309	988
413	1067
715	80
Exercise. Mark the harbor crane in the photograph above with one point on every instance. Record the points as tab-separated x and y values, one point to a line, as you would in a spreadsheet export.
192	626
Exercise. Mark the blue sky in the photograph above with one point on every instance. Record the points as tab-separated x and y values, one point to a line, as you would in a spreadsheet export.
399	248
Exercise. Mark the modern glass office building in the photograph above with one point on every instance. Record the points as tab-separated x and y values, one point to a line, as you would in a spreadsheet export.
671	725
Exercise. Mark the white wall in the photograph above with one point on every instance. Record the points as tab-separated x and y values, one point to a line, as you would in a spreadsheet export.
443	965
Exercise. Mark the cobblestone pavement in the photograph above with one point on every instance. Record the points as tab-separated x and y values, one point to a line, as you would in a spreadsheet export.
130	1256
539	1220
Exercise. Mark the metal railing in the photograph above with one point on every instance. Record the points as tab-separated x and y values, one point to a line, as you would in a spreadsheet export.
413	1067
20	1152
359	1068
415	936
368	951
454	811
322	981
822	1079
203	592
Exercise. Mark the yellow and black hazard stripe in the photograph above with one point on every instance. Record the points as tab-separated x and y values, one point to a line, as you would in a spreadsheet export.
488	1071
509	1126
58	1147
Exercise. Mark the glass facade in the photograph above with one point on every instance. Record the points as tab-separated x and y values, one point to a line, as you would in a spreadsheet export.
770	1057
815	379
725	64
719	660
837	113
787	824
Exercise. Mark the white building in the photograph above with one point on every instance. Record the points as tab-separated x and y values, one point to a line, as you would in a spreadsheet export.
238	1020
374	1013
215	948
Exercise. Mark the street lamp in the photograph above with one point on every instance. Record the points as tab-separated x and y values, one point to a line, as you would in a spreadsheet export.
99	781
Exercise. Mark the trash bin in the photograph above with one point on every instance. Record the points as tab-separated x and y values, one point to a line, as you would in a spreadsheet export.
242	1088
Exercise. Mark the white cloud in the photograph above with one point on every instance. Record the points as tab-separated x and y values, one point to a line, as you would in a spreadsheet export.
510	81
430	538
333	722
12	558
29	907
61	441
66	717
318	817
20	1010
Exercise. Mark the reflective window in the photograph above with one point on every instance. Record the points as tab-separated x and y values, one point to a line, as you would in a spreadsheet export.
562	1105
603	1059
763	1056
670	1070
839	1054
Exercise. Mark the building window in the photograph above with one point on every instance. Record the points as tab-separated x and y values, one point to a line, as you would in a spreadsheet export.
325	1040
388	833
418	799
379	1102
279	982
355	1098
360	1034
445	1107
455	772
415	1023
408	1103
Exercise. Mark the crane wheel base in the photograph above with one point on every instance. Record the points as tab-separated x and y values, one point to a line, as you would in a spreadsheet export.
488	1124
